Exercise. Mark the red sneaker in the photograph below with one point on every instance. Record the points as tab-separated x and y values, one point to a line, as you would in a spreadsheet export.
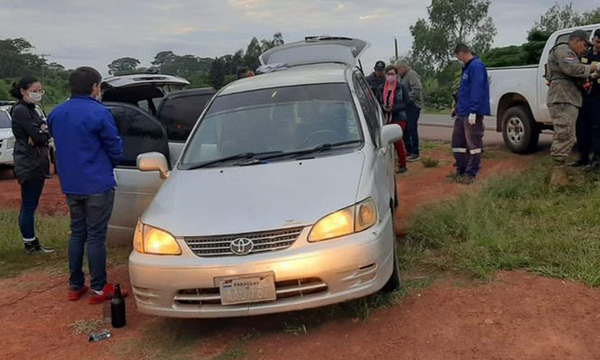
75	295
107	293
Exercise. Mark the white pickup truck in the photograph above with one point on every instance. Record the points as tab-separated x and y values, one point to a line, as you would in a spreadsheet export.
518	97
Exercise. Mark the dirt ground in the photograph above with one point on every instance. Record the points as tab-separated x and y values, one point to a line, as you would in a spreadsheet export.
516	316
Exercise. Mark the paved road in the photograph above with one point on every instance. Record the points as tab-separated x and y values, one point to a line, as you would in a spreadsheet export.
439	127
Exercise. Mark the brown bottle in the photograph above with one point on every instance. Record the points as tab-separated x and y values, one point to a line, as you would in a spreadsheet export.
117	309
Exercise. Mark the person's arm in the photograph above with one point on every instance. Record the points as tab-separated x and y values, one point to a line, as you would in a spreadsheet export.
25	120
477	90
570	64
415	88
109	136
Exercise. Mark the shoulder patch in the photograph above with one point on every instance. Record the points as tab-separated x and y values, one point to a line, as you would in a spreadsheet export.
570	59
584	60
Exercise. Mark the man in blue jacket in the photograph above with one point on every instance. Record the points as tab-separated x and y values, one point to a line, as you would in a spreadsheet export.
472	104
88	148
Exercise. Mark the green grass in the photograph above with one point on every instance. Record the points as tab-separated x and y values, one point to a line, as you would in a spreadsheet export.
52	231
516	222
429	162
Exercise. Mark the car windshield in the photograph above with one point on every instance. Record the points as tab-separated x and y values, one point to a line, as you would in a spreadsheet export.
275	121
4	120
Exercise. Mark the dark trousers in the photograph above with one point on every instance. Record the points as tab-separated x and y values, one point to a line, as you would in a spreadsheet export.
89	224
588	128
411	135
31	191
467	145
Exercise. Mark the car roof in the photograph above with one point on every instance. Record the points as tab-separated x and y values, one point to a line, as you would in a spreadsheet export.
191	92
298	75
141	79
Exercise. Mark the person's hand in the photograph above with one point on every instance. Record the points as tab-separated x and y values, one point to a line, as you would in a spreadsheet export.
453	112
472	120
44	127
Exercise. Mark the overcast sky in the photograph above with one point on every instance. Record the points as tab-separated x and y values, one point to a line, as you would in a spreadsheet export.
84	32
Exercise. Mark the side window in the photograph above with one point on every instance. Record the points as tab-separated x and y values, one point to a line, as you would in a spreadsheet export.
179	115
368	103
140	133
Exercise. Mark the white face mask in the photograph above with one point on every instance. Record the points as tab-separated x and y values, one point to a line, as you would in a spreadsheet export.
35	96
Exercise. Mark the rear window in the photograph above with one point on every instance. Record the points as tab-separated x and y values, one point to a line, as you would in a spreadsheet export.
179	115
4	120
275	120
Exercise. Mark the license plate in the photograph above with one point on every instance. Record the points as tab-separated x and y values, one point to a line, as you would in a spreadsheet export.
247	289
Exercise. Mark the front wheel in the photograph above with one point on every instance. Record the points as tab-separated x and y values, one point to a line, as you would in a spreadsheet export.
519	131
394	283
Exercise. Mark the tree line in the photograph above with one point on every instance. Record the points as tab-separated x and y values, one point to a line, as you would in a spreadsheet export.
448	22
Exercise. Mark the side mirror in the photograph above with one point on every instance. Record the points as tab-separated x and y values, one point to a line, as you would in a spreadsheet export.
390	133
153	161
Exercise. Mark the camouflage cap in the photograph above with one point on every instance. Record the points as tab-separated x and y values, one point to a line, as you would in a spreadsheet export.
580	34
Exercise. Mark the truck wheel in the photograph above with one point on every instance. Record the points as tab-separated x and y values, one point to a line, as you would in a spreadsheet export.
519	132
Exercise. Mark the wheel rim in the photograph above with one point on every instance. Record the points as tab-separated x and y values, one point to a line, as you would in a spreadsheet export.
515	130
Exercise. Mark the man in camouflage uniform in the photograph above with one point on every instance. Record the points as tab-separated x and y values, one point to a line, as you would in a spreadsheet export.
564	95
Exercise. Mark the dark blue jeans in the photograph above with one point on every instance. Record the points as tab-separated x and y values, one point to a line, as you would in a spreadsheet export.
467	145
89	224
411	135
30	197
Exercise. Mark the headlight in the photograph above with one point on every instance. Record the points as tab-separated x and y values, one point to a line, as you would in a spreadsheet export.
149	240
10	143
353	219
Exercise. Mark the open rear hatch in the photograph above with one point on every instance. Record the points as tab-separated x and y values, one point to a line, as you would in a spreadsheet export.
316	50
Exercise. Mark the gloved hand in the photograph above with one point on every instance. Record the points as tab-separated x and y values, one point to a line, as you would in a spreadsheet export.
471	120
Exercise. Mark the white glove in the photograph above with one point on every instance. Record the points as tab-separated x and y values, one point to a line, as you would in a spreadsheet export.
472	120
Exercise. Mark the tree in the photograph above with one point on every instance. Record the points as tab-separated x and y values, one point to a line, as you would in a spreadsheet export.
591	17
505	56
449	23
123	65
217	73
558	17
252	53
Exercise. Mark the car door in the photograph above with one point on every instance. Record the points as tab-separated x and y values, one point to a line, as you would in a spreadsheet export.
179	112
141	133
383	166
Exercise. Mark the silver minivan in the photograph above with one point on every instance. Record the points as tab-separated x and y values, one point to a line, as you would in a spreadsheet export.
153	112
283	198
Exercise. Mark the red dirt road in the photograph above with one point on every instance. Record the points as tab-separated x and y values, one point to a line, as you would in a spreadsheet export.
517	316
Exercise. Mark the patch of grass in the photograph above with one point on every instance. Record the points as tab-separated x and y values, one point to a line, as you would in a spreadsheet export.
516	222
53	231
85	327
435	145
235	353
429	162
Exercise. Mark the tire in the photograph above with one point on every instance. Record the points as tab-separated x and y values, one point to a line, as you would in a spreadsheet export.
519	131
394	283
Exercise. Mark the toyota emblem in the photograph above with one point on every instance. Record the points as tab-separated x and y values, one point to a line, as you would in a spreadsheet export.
241	246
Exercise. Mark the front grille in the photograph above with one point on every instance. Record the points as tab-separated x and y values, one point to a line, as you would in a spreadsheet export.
284	289
266	241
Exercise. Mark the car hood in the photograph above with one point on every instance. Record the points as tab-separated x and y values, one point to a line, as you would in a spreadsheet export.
218	201
6	134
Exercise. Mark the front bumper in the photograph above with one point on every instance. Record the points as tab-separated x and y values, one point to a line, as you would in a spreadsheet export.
307	275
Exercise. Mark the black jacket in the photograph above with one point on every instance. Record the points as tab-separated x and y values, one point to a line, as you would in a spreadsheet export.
30	155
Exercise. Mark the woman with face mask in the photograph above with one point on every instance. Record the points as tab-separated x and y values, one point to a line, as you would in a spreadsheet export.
31	158
393	102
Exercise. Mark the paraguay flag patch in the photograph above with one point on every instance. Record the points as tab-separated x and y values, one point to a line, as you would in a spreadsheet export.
570	59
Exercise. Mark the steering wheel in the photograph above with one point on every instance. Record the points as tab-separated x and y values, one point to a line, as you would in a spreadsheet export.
312	135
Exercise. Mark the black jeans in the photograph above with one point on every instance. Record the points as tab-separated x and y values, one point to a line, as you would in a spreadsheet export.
588	127
89	224
411	135
31	191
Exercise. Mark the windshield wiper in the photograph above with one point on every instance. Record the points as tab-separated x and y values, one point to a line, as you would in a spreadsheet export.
245	156
316	149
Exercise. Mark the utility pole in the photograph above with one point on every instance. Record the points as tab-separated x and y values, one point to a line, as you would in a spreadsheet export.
396	47
43	56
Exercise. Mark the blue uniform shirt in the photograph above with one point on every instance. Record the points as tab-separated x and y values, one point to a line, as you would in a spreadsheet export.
474	90
88	146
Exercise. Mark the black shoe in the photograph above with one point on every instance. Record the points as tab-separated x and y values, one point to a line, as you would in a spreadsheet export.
593	166
578	163
34	248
